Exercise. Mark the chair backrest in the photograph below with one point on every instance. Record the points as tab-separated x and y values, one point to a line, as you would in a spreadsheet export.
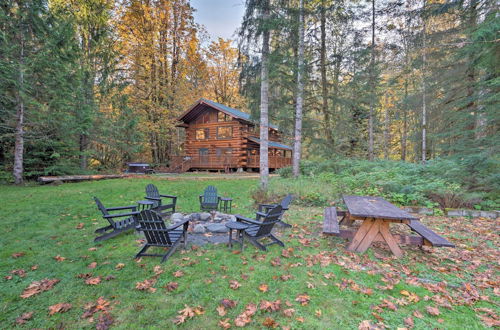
269	221
103	210
285	203
152	191
150	222
210	195
101	207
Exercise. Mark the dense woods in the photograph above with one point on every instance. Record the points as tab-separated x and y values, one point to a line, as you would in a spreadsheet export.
89	85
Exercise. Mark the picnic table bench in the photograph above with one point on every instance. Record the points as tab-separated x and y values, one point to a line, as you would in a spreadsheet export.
377	214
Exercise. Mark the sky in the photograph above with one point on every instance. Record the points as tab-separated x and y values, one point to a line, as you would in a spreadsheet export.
221	18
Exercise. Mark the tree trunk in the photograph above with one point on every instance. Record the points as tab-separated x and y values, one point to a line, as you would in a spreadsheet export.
264	101
372	86
19	132
424	101
324	81
404	136
386	133
300	91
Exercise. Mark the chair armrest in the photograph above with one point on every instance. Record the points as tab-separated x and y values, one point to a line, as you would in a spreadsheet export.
177	225
110	216
131	207
265	207
241	218
168	196
153	198
260	214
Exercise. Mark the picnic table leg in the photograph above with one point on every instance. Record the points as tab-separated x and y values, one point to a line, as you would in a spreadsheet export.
346	220
389	239
360	234
369	237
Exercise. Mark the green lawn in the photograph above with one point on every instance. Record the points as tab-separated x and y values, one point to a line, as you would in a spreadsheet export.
319	285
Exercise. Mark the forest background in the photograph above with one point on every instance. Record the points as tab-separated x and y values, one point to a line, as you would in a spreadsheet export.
88	85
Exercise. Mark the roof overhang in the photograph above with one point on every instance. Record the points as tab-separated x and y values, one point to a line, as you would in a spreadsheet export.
272	144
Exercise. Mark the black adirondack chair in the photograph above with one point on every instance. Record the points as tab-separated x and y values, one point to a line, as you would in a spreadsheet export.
285	204
209	201
165	208
159	235
127	221
260	229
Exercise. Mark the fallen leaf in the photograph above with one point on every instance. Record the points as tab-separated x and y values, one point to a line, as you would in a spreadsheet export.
432	310
221	310
18	272
80	225
418	314
59	258
104	321
119	266
228	303
303	299
270	306
263	287
409	322
287	253
367	325
146	285
38	287
93	280
233	284
34	267
178	273
171	286
92	265
157	270
24	318
289	312
270	323
224	324
318	313
18	255
59	308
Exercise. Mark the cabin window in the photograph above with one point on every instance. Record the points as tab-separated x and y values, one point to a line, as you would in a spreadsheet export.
202	134
221	116
288	154
224	132
223	152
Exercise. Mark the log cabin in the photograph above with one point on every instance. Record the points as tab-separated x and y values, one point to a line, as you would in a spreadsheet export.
218	137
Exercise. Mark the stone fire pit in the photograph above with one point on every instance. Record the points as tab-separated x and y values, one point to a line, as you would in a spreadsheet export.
205	227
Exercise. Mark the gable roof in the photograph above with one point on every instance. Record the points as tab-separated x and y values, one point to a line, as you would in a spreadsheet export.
186	116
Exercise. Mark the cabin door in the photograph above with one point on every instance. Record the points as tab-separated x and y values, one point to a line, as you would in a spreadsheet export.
203	154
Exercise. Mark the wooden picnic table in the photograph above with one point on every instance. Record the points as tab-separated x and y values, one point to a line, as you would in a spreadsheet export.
377	214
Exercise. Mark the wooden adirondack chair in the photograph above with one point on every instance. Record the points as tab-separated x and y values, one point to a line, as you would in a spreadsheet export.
159	235
260	229
285	204
209	201
117	226
164	208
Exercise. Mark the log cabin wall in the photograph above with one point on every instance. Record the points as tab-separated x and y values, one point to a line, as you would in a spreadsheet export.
217	140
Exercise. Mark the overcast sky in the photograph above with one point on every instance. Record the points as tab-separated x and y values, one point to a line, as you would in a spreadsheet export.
221	18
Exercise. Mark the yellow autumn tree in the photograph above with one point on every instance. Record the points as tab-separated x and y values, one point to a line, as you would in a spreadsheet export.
223	73
160	59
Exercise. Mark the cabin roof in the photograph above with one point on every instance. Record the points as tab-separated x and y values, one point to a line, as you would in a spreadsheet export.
197	108
271	143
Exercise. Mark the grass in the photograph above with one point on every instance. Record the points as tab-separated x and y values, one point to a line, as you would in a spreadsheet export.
344	288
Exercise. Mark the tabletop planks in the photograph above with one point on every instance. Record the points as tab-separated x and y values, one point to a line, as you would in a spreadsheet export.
374	207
